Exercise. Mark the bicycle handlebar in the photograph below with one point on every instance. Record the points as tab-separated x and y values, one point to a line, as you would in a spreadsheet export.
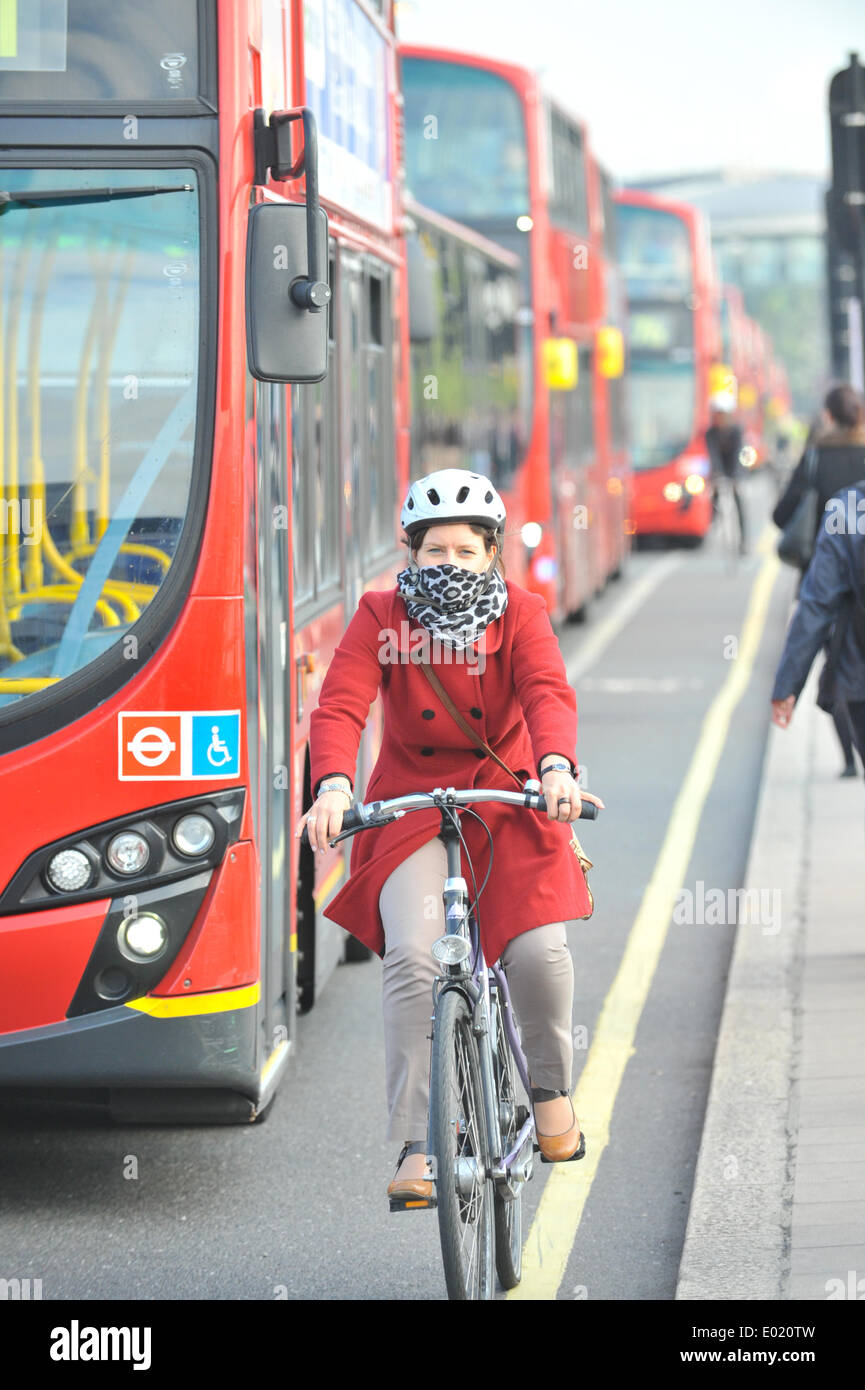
377	813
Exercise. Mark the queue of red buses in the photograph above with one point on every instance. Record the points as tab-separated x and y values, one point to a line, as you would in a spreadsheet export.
183	542
689	339
487	148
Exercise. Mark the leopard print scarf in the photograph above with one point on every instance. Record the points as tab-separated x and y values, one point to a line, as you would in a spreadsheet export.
452	603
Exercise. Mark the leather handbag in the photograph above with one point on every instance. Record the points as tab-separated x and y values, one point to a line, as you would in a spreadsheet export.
583	859
796	545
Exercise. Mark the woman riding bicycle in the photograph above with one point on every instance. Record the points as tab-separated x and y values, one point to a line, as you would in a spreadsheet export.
491	644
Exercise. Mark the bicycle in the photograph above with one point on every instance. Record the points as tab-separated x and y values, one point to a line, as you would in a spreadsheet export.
480	1140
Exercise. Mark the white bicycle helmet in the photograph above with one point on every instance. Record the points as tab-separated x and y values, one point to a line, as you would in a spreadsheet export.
723	401
452	494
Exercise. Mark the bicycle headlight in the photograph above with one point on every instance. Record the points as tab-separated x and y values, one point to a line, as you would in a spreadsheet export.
451	950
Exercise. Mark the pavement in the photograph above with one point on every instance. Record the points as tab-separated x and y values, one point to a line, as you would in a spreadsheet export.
778	1205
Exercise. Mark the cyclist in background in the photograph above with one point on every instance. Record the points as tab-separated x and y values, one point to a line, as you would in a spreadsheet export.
724	445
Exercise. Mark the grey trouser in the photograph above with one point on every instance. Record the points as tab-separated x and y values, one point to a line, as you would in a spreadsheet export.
537	965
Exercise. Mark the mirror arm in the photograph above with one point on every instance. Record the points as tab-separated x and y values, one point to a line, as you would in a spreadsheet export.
310	291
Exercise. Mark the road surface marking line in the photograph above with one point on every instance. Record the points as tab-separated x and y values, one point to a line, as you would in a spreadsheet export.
557	1220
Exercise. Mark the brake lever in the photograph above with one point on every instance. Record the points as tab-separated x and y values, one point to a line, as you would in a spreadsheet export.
374	823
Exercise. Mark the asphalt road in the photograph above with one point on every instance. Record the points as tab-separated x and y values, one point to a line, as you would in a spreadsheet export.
296	1208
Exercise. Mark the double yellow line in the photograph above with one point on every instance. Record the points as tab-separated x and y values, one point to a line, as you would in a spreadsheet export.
557	1220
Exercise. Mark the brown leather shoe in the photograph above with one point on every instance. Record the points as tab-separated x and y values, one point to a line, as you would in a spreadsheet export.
559	1148
405	1193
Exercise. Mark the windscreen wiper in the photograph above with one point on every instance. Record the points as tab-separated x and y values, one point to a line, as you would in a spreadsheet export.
64	197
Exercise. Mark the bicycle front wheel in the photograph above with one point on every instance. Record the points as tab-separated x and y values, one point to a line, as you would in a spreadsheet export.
458	1138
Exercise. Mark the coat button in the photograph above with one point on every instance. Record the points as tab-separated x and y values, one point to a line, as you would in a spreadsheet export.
476	713
428	713
479	753
427	752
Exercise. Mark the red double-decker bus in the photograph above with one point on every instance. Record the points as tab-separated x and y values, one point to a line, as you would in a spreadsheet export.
485	146
182	540
673	327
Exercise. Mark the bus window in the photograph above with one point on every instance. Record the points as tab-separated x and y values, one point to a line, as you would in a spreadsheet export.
381	473
99	313
465	141
568	205
88	52
655	252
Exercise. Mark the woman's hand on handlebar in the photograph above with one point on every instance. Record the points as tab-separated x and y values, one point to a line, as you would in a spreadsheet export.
324	819
564	798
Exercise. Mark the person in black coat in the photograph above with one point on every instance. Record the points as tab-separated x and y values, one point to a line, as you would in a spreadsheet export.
724	446
832	592
838	462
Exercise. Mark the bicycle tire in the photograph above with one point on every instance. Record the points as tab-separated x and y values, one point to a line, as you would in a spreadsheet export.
508	1214
458	1134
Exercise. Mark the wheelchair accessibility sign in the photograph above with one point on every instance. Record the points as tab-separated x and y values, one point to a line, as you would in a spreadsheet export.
178	746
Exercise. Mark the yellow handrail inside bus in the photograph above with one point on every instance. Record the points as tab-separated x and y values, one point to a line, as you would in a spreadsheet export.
22	577
25	685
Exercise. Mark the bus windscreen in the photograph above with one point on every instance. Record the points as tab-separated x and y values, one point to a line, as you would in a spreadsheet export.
655	253
99	344
465	141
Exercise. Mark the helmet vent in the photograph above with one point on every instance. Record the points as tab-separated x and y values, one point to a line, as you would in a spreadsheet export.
462	494
433	496
488	497
410	504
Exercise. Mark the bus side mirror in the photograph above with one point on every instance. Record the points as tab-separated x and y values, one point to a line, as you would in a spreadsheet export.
284	340
287	298
423	319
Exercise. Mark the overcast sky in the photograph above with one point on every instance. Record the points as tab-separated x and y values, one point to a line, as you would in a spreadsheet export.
673	85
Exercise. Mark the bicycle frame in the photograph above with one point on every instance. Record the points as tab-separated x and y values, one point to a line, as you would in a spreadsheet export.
474	983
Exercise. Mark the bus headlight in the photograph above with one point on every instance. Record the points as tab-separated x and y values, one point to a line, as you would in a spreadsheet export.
531	534
748	456
695	484
451	950
673	492
193	835
128	853
69	871
142	937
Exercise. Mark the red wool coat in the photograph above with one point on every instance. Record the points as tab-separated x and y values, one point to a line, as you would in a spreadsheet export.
517	696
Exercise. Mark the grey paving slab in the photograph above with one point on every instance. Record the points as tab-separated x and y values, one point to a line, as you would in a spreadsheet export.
834	1260
787	1099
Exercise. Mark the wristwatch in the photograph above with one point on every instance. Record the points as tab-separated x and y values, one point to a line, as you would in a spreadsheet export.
333	787
557	767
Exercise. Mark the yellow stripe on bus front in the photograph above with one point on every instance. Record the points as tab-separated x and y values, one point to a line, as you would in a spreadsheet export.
333	877
217	1002
8	28
292	941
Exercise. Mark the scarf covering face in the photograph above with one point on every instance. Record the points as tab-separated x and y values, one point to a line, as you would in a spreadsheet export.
448	601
